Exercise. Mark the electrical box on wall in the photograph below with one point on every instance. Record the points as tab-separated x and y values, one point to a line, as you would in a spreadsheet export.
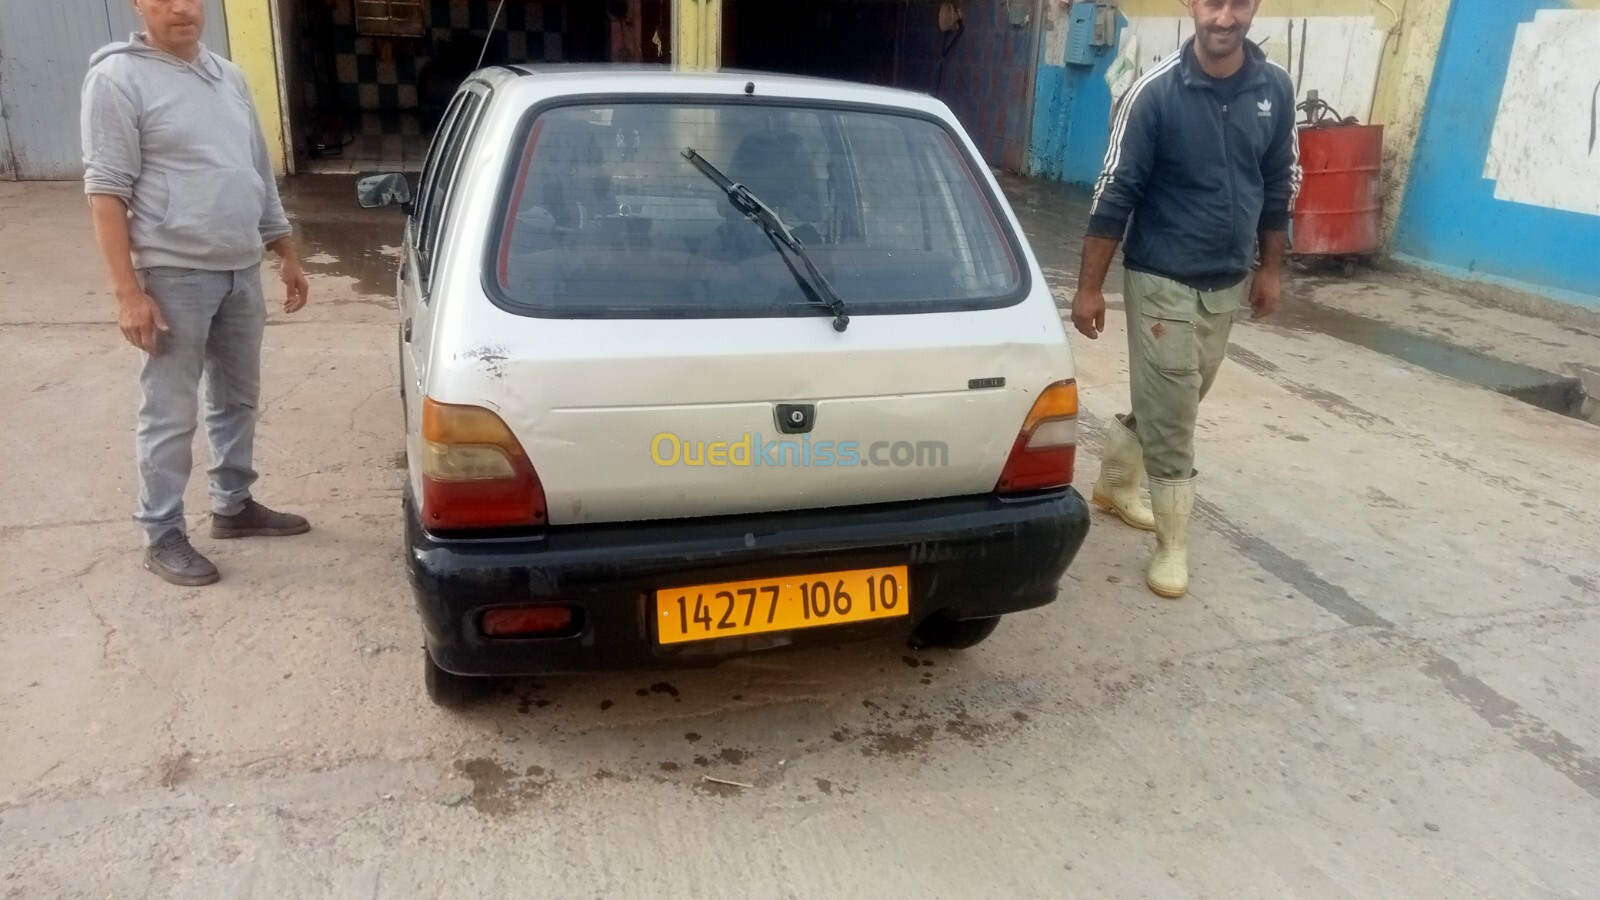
1080	34
1086	31
1105	25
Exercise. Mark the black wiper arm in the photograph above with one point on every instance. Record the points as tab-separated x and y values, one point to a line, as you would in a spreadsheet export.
765	216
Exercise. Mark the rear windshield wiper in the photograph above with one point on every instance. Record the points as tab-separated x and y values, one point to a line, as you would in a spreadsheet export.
779	233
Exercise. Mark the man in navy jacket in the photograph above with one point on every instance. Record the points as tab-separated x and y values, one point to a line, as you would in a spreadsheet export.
1201	173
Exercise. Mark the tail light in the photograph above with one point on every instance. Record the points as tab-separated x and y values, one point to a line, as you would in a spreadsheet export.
474	473
1047	447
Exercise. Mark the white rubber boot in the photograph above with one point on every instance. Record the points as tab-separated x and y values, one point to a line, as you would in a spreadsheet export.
1168	574
1121	470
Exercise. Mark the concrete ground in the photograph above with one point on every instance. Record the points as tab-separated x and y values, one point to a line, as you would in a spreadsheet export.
1384	684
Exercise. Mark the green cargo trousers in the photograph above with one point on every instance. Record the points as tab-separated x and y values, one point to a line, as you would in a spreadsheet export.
1177	337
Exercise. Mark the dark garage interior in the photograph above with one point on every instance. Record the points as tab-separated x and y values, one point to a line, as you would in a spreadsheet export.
367	80
974	55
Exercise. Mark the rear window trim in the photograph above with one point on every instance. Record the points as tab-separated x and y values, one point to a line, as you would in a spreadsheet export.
490	260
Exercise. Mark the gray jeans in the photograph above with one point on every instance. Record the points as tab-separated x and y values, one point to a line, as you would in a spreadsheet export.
217	321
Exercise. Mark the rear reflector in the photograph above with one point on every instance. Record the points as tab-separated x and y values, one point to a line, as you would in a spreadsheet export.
530	621
1046	449
1032	470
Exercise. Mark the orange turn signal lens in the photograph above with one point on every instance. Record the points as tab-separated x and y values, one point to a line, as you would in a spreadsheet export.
450	423
1059	401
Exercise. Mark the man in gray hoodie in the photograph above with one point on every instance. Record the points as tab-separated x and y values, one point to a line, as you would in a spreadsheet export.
183	198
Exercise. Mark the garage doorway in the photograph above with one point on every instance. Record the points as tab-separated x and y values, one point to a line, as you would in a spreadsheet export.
367	81
975	55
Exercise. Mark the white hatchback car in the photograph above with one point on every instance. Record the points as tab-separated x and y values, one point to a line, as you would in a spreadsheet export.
699	365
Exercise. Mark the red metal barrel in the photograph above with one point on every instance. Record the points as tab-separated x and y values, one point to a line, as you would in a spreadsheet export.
1341	198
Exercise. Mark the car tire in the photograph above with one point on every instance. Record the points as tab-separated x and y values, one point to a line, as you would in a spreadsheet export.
941	632
450	690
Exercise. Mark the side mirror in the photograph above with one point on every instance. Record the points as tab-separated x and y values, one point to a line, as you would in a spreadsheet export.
387	189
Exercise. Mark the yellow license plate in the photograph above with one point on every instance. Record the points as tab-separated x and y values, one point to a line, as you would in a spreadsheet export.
708	611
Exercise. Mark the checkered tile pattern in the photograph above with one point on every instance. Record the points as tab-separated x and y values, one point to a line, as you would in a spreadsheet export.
380	75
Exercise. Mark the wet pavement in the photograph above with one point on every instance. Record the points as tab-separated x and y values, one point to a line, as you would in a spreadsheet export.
1055	217
339	238
1546	390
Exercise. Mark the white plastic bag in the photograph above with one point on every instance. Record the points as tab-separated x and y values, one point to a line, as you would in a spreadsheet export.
1124	70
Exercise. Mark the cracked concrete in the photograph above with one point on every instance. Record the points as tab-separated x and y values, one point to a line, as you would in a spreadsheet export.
1384	683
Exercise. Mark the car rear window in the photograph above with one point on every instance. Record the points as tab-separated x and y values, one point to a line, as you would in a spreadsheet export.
605	215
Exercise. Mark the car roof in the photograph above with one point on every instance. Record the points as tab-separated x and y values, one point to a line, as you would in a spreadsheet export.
588	79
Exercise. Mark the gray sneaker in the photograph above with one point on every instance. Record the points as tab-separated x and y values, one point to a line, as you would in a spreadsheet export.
177	561
256	520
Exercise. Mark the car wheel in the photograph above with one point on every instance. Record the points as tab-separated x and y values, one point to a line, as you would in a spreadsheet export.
450	690
941	632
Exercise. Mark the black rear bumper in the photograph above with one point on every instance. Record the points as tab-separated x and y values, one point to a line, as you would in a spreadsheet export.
968	557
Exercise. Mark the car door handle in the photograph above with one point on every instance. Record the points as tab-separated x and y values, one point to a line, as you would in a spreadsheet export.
405	331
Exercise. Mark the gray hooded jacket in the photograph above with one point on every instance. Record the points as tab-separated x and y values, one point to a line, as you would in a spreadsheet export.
182	144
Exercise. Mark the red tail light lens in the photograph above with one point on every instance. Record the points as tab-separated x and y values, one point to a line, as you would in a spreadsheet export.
530	621
1046	449
474	473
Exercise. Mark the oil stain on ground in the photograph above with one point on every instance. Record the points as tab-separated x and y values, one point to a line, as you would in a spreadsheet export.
499	791
898	743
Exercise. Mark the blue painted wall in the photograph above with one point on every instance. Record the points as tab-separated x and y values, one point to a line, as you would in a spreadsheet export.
1071	118
1450	218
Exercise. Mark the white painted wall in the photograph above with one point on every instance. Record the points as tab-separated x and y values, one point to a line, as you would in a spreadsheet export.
1545	148
1336	56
